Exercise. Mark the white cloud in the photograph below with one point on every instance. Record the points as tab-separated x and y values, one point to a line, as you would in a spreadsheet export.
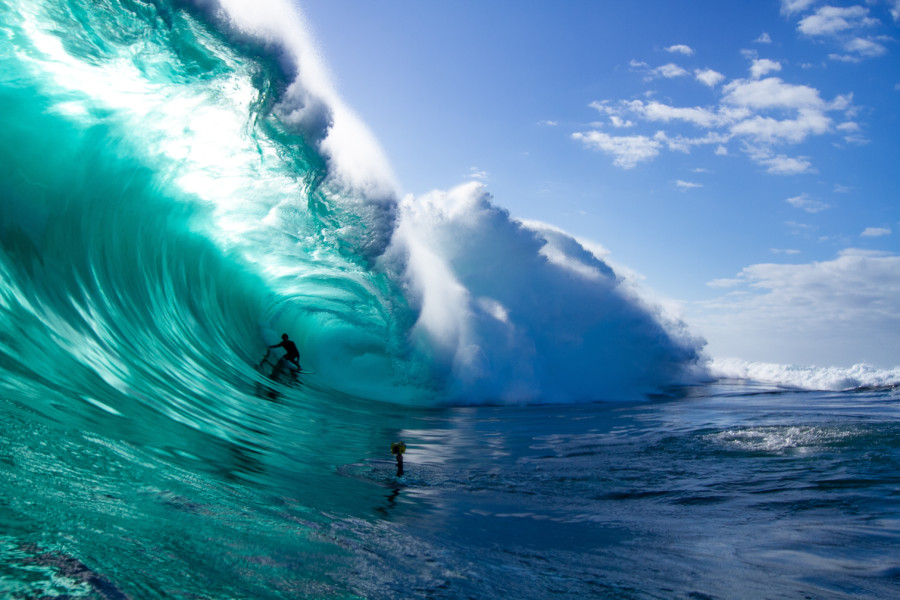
804	202
831	20
680	49
708	77
657	111
784	251
603	106
763	66
627	150
790	7
839	311
478	174
771	92
772	131
844	25
801	227
725	283
876	232
681	143
787	165
763	111
853	133
778	164
615	114
765	38
669	71
774	94
619	122
865	47
687	185
548	123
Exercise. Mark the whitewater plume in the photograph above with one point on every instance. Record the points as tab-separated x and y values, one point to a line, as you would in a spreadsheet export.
518	312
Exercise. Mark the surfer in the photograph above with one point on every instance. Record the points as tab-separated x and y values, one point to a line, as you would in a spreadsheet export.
292	354
397	449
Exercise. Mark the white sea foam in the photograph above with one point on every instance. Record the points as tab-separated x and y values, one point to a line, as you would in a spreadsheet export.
808	378
775	439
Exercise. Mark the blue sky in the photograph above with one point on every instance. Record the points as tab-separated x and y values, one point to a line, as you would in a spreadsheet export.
740	157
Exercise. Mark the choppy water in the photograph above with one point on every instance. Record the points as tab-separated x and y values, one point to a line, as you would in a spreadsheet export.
726	492
179	185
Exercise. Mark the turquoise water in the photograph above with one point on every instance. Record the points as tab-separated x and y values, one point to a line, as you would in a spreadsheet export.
723	493
176	193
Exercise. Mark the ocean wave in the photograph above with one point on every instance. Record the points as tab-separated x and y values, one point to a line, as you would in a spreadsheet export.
806	378
184	179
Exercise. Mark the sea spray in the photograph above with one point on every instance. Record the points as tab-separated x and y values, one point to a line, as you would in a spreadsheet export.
518	313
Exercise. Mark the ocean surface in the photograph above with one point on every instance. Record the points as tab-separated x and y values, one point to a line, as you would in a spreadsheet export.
180	184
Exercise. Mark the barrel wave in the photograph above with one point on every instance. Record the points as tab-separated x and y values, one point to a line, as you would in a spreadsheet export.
182	185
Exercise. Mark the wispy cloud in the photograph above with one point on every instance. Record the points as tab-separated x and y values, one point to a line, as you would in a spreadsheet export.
627	151
804	202
850	27
687	185
680	49
858	49
657	111
876	232
778	164
791	7
666	71
478	174
830	20
764	38
669	71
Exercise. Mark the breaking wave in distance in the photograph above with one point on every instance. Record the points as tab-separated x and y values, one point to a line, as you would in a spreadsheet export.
806	377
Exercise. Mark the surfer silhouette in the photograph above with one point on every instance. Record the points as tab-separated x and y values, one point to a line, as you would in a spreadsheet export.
292	354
